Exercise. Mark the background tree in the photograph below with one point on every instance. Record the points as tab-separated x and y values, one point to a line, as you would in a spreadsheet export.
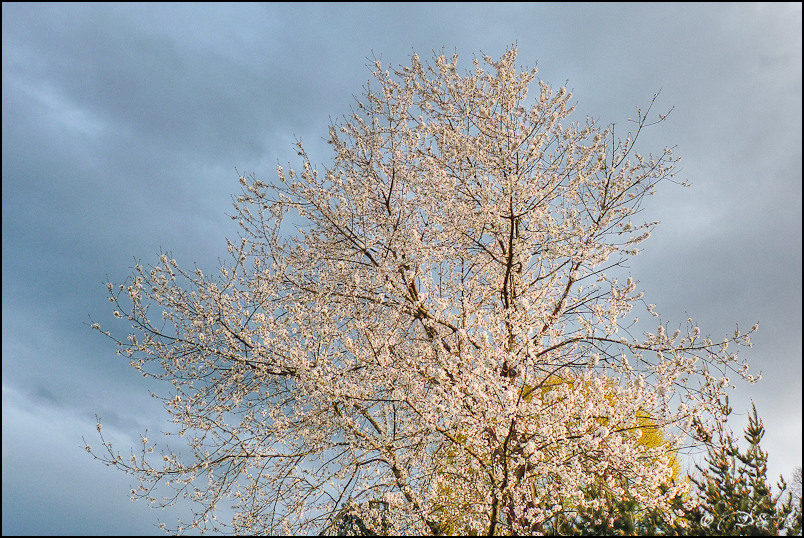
465	244
795	518
795	484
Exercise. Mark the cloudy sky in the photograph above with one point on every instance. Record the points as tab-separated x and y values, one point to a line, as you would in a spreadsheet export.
123	125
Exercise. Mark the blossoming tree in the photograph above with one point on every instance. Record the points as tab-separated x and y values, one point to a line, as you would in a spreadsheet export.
382	329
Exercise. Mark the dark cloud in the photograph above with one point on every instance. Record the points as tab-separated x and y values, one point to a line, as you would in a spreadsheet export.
122	125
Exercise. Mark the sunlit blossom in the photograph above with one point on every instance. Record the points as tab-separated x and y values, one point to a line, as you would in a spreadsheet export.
431	330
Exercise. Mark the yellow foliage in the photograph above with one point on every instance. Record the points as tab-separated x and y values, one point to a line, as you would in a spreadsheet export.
650	434
460	493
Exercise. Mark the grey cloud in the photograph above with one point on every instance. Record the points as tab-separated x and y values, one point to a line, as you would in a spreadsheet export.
122	125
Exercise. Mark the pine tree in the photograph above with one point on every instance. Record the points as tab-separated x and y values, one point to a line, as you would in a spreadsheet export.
735	498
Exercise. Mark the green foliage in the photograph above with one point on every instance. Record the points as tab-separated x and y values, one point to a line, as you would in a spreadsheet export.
367	519
617	519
